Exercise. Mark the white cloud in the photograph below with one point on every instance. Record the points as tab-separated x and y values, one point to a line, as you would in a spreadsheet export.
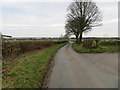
47	19
54	0
110	21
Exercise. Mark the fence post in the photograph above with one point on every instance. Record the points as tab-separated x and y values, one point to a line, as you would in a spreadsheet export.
0	60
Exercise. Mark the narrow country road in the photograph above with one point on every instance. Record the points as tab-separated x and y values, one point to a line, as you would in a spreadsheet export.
73	70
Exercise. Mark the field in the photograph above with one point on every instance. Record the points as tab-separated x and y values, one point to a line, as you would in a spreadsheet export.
28	68
103	46
34	40
26	63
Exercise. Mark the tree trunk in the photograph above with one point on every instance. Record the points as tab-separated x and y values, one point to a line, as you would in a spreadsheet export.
77	38
97	41
80	39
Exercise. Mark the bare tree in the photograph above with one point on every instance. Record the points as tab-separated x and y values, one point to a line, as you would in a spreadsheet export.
82	16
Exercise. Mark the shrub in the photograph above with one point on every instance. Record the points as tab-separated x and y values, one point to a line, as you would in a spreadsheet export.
109	42
12	49
87	43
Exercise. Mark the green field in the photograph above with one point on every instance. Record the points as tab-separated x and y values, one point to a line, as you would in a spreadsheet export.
28	70
33	40
104	46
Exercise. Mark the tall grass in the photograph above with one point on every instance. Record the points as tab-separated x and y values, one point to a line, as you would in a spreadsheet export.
29	70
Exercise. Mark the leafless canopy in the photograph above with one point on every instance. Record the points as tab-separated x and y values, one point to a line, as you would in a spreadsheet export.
82	16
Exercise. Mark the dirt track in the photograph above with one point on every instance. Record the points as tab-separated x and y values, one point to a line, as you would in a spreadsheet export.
74	70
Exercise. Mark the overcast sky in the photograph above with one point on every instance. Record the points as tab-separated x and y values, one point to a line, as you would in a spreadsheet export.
47	19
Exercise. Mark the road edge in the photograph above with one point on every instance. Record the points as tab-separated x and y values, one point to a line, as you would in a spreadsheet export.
50	68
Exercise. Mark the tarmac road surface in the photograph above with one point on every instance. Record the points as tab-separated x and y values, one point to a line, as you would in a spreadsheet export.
75	70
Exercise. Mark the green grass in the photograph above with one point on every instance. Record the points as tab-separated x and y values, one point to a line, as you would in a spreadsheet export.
30	70
33	40
100	49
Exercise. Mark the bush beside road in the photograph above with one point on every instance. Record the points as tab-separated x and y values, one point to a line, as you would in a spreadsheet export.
104	46
28	70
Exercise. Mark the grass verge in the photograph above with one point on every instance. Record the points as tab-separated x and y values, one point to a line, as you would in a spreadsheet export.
100	49
30	70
